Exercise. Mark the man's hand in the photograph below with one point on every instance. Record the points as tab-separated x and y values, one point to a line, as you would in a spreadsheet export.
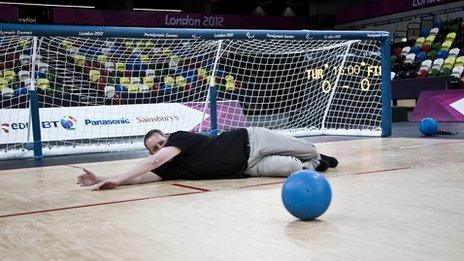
134	174
87	179
107	184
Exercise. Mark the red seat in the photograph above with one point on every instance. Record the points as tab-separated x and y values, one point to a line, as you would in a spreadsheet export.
397	52
238	85
103	79
87	66
96	64
101	85
9	57
425	48
8	65
422	73
155	87
192	63
103	72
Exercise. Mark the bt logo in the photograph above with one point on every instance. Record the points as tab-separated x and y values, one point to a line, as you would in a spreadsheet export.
68	122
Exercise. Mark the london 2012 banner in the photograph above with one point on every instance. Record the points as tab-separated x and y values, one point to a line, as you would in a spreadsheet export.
174	20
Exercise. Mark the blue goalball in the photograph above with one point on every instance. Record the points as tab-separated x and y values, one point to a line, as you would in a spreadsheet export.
428	126
306	194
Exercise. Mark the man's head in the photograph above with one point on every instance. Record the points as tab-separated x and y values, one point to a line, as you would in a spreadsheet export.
154	140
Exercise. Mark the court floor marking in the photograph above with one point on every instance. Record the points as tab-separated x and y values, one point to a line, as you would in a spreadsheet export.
191	187
199	191
261	184
373	171
75	167
97	204
330	175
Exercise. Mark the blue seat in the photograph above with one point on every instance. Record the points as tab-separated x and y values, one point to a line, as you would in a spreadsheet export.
191	79
439	23
89	50
425	32
416	49
27	51
115	51
166	88
120	88
421	56
189	73
220	73
179	71
442	54
133	58
39	75
21	91
136	66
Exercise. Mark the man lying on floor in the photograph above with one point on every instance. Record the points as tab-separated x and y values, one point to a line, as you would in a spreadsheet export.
241	153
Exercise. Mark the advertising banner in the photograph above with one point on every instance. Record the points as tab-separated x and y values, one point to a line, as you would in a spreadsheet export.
101	122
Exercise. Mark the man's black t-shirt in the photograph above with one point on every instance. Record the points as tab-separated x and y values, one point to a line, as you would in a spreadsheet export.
204	157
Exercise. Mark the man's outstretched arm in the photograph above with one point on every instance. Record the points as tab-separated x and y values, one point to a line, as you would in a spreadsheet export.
89	178
147	164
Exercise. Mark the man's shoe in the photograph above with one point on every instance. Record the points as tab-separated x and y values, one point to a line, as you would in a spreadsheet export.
332	162
323	165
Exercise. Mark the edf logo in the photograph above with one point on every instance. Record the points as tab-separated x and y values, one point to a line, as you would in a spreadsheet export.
6	127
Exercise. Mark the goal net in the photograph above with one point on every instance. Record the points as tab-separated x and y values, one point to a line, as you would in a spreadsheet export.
99	92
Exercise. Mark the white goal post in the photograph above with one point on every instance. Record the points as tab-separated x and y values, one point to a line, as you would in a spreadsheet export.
79	89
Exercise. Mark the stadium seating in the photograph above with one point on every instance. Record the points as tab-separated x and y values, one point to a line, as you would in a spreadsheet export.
425	68
24	75
144	88
109	66
435	53
110	91
459	61
43	84
457	71
3	83
128	66
230	83
94	75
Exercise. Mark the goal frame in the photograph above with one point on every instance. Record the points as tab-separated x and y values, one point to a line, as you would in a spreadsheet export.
39	30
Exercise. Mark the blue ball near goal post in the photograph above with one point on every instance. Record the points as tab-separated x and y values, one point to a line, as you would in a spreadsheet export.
428	126
306	194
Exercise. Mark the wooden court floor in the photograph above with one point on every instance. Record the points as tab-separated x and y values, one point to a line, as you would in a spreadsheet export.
393	199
